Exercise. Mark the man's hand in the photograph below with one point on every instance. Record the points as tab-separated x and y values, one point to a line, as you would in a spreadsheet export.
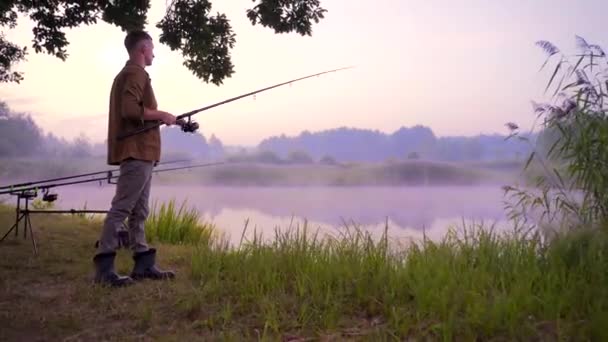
168	119
165	117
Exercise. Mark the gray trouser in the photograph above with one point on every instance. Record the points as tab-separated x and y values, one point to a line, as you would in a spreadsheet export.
130	201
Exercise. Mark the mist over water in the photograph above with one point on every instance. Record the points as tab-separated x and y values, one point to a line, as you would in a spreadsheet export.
408	210
409	180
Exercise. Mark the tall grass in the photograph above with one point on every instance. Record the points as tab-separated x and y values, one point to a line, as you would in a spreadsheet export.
576	123
479	286
182	225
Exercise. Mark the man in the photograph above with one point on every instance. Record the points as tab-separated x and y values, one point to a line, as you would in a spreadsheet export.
132	106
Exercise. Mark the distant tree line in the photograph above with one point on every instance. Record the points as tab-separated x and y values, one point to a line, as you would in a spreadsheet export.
270	157
418	142
20	136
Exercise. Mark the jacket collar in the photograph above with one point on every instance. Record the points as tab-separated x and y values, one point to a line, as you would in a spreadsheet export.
133	64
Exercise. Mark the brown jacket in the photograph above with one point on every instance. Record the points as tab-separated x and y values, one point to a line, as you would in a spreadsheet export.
131	91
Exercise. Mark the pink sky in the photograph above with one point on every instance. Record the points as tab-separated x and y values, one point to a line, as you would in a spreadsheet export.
459	67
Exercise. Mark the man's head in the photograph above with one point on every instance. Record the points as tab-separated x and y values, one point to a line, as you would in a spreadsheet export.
140	47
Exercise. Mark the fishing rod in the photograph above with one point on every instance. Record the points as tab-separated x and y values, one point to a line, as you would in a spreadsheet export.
13	186
52	197
190	126
27	194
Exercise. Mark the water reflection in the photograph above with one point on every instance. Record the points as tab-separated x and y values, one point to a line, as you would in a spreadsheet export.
408	210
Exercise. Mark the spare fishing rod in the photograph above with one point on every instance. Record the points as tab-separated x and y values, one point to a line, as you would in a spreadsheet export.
190	126
32	190
13	186
27	194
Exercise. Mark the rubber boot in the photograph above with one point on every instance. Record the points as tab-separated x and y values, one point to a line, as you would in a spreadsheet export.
105	273
145	267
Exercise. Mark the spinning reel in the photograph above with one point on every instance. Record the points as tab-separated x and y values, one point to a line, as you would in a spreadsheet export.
188	126
48	197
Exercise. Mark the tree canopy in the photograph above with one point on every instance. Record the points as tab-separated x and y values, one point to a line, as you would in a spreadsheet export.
204	39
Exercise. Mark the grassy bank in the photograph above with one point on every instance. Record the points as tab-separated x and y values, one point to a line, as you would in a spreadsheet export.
478	287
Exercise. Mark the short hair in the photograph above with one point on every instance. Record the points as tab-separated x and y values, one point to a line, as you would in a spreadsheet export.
134	37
